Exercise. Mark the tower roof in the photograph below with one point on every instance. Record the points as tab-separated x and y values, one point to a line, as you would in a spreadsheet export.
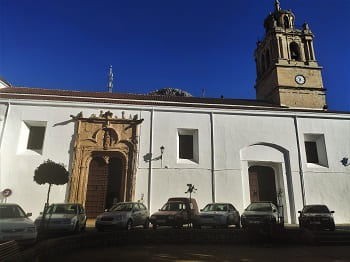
277	18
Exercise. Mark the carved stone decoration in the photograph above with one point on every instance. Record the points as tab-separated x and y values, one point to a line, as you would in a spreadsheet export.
104	136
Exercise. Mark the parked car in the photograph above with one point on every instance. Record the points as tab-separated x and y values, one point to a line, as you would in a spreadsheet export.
261	214
316	216
68	217
16	225
176	212
217	214
123	215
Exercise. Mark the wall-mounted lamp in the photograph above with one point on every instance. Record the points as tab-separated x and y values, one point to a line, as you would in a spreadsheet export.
161	155
345	161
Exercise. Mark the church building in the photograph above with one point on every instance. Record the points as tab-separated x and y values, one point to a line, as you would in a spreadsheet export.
286	147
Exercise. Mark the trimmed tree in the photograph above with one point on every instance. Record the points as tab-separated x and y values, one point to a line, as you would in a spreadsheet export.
51	173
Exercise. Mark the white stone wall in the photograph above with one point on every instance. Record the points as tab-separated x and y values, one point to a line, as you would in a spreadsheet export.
241	138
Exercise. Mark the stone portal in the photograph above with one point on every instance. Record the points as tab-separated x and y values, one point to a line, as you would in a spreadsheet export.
105	152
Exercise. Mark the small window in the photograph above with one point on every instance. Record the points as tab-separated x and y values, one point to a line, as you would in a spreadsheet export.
311	152
286	22
36	137
188	145
185	146
315	150
294	51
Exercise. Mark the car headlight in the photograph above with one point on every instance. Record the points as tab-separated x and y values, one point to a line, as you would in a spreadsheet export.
31	229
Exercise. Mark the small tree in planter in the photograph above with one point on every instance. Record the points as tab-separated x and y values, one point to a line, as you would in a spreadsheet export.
50	173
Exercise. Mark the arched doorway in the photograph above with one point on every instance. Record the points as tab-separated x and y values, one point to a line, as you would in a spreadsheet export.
104	186
262	184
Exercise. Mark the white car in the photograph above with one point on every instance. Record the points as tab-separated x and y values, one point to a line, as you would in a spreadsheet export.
63	218
217	214
15	225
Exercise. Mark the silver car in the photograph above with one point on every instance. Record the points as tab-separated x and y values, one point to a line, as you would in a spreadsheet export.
123	215
63	218
217	214
261	214
15	225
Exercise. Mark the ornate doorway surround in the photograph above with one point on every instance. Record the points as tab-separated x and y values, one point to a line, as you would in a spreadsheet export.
105	137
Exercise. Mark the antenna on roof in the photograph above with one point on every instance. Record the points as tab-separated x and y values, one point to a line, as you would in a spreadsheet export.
203	92
110	79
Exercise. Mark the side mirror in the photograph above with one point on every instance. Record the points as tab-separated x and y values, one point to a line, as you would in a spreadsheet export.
106	210
201	210
274	210
332	212
299	212
159	210
29	214
41	213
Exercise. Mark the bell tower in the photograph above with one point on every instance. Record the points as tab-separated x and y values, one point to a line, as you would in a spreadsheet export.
287	71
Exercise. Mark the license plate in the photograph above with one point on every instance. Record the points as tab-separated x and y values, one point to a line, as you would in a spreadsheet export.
315	222
255	222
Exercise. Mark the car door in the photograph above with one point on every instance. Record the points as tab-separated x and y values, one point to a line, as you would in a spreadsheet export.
144	213
234	214
136	214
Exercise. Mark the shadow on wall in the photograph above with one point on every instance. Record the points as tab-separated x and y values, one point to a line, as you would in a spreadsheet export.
70	151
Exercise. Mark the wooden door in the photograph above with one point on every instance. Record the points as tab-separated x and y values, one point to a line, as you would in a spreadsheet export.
254	186
96	188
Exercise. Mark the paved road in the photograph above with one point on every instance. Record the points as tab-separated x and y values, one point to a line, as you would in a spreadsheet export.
211	253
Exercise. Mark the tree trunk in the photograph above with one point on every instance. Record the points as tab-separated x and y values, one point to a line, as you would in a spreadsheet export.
48	195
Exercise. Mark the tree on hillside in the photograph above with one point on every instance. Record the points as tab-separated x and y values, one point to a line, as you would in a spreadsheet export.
51	173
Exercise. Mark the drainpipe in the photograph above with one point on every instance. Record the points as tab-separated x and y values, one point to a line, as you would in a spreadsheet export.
4	124
299	160
212	157
150	162
3	131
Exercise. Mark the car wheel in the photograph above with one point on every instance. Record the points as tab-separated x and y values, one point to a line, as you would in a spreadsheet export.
154	226
146	224
129	225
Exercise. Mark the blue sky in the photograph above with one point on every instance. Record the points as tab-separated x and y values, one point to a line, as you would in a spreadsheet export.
186	44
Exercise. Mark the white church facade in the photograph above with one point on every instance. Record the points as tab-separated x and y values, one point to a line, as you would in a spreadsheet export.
286	147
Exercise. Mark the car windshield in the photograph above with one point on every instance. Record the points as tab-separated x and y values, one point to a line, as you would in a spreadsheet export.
215	207
173	206
123	207
315	209
62	209
263	207
11	211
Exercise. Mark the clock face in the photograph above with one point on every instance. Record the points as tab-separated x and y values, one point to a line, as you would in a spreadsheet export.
300	79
